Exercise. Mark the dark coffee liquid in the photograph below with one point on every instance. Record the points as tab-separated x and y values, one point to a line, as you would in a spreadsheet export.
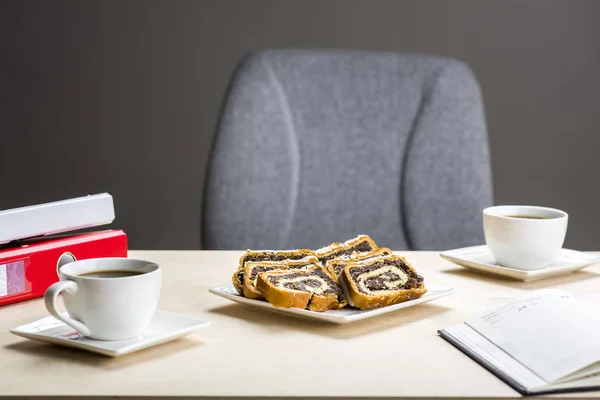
110	274
525	217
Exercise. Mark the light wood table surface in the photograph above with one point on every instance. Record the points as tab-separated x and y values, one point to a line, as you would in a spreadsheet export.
248	352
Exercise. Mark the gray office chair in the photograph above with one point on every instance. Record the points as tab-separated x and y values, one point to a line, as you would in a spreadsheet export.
316	146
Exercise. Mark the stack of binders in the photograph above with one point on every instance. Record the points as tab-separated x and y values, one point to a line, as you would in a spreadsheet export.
34	238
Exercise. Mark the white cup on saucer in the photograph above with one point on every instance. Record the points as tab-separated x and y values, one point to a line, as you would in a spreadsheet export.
106	298
524	237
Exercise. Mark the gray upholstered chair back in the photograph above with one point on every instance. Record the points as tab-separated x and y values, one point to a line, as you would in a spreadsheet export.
316	146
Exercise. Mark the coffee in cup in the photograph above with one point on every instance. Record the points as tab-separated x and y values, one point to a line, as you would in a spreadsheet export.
524	237
106	298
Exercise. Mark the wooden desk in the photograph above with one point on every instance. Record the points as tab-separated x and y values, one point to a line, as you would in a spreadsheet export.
253	353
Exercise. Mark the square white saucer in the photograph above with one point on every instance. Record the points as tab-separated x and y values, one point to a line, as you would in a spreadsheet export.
164	327
343	316
480	258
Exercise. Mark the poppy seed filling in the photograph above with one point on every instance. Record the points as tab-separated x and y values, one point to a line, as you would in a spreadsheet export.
316	281
385	276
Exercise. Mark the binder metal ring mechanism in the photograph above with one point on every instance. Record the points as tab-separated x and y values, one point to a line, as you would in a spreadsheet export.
34	240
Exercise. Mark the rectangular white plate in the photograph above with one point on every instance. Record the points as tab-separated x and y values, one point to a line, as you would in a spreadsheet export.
164	327
343	316
480	258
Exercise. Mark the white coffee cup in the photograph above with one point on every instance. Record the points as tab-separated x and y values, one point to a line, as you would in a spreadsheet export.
106	308
524	243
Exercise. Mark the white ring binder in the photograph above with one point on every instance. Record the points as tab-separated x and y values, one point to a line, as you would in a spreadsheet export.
56	217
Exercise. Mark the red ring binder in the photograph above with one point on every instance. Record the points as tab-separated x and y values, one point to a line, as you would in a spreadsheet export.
28	264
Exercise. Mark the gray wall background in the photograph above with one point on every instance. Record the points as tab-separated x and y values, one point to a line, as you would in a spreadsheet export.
122	96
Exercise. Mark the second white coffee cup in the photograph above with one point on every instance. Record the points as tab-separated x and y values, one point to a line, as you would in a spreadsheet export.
524	237
106	298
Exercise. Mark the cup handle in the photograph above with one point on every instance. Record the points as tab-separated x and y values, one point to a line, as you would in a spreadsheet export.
50	300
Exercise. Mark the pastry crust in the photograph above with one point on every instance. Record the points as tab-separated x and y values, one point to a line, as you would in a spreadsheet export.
284	297
366	301
238	280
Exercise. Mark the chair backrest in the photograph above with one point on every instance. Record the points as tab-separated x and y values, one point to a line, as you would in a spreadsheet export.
316	146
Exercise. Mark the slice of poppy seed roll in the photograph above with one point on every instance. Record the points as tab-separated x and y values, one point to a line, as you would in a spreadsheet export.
253	268
312	289
380	281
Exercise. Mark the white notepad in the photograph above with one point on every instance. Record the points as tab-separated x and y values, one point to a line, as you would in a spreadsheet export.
547	341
